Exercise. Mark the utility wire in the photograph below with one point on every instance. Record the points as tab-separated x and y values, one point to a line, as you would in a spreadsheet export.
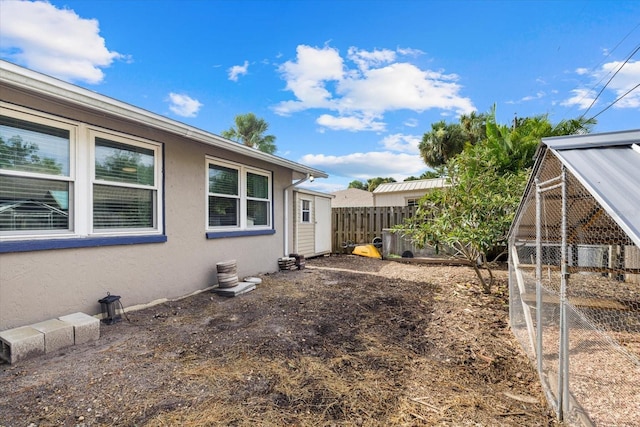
619	98
609	81
609	53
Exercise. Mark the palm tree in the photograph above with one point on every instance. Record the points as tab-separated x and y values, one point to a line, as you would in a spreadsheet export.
443	142
250	131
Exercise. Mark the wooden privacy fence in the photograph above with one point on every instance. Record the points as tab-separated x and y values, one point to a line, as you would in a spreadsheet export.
362	224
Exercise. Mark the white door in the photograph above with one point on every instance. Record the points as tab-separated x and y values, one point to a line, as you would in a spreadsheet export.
323	224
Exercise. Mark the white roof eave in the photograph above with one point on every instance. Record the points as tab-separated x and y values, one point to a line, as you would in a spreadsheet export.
41	84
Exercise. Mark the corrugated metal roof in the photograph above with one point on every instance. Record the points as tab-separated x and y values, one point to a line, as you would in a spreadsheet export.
420	184
611	173
607	165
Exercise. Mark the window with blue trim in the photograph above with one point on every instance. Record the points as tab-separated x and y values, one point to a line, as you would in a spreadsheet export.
238	197
64	179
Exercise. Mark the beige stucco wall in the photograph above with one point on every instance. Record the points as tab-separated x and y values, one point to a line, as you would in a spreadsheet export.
396	199
41	285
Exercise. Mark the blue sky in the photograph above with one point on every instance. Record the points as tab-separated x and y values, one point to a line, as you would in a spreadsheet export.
348	87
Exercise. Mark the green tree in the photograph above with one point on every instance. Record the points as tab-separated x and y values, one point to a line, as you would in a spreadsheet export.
474	126
356	183
473	215
17	154
373	183
442	143
250	130
514	146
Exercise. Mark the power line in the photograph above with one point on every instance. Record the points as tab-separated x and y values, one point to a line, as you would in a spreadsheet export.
609	81
619	98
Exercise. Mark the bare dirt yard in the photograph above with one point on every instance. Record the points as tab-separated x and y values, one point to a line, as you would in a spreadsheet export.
347	341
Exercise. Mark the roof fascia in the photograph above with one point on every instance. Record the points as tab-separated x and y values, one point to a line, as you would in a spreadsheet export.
606	139
40	84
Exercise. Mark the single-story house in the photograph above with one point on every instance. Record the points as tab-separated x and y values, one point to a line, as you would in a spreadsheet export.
405	193
98	196
352	198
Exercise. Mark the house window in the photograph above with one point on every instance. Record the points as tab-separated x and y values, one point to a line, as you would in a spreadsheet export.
125	185
36	182
239	197
65	179
412	202
305	211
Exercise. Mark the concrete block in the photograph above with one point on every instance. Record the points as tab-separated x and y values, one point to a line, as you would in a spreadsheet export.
21	343
57	334
85	328
234	291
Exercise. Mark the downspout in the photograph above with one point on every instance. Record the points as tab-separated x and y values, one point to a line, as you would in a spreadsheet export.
286	211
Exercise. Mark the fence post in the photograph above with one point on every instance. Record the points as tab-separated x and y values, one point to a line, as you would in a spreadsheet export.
563	387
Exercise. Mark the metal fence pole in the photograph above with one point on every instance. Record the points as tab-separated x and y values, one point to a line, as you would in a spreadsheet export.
539	277
563	362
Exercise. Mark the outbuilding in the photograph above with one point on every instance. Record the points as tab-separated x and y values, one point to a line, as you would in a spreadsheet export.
312	229
406	193
574	270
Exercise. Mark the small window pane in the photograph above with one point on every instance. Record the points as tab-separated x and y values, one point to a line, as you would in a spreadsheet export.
124	163
33	204
120	207
306	211
257	212
257	186
223	180
31	147
223	211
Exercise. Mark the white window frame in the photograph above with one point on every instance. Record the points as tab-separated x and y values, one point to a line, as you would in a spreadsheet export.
242	196
155	188
81	177
307	211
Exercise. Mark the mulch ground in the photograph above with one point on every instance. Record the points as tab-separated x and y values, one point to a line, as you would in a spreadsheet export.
347	341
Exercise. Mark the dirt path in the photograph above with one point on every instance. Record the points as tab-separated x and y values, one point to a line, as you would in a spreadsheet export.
348	341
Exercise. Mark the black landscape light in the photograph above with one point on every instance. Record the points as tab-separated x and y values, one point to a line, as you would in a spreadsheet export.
108	306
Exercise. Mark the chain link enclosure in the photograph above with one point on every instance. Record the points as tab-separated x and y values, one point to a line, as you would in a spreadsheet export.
574	279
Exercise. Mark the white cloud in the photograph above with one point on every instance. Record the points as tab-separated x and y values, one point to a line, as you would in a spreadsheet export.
538	95
411	123
368	165
307	78
184	105
410	51
54	41
402	143
582	98
351	123
399	158
238	70
319	79
626	78
365	59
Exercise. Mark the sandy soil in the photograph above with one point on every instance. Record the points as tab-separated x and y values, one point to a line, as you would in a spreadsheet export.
347	341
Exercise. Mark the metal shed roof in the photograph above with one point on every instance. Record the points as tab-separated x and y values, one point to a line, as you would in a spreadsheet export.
41	84
420	184
607	165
